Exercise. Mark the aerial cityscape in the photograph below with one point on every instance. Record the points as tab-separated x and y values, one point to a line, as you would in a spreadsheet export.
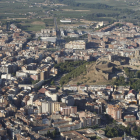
69	70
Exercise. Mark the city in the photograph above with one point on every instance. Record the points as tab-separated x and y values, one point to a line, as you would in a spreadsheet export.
70	82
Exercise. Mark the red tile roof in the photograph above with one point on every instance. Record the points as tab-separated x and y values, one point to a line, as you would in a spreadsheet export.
42	90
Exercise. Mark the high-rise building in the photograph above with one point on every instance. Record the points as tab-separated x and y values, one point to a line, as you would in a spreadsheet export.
50	106
114	111
43	75
47	107
67	110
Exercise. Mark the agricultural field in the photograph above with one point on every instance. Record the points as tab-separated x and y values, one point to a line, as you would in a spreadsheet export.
22	9
129	4
28	11
34	26
101	10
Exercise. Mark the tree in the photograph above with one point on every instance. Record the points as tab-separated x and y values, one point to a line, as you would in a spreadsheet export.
13	74
52	82
114	121
120	81
48	133
78	83
109	134
115	132
127	71
34	81
138	74
54	133
39	38
135	133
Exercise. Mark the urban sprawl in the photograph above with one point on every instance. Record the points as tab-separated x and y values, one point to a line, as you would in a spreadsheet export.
41	98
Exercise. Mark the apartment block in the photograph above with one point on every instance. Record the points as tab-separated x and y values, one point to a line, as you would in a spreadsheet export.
114	111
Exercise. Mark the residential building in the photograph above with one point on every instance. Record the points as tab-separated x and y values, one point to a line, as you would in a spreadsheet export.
114	111
129	118
79	44
67	110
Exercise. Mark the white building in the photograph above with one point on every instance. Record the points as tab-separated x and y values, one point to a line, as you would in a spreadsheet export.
130	97
47	107
6	76
68	100
66	21
78	44
53	96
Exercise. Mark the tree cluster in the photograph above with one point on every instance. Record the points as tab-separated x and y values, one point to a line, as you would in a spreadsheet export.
81	37
68	66
118	131
126	14
73	74
120	81
129	73
34	81
135	84
51	135
22	27
77	4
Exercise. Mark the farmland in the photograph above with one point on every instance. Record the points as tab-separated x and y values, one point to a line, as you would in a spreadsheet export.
129	4
28	11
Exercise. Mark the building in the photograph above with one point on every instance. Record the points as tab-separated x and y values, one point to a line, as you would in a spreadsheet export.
72	135
60	123
68	100
94	107
78	44
117	96
89	121
47	107
9	68
44	131
129	118
44	75
75	125
120	138
21	74
130	97
100	24
138	115
67	110
137	53
114	111
53	96
50	106
66	20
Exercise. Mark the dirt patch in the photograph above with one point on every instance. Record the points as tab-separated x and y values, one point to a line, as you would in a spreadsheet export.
90	78
14	18
38	23
87	21
76	10
82	10
47	18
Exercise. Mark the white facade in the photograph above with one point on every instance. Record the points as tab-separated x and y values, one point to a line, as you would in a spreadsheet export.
78	44
51	39
6	76
65	21
47	107
100	24
30	101
68	100
53	96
